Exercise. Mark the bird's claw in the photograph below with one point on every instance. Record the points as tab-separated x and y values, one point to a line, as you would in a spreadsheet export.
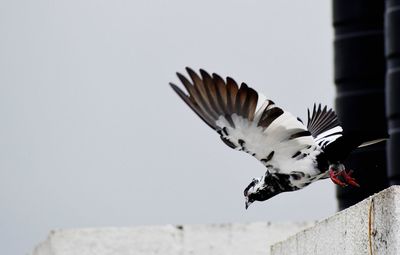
334	177
348	180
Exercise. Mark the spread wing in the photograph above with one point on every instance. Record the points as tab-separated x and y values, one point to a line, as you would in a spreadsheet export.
324	126
259	127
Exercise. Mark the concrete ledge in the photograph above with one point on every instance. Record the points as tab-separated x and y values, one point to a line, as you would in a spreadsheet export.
369	227
253	238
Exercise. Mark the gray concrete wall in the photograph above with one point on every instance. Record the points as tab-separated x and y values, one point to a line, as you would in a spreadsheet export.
232	239
369	227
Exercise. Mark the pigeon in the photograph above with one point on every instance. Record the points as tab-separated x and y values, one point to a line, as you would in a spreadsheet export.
294	154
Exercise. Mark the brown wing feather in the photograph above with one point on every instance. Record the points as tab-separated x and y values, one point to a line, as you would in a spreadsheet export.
211	90
211	97
193	106
222	92
200	88
251	103
240	99
194	96
232	89
222	97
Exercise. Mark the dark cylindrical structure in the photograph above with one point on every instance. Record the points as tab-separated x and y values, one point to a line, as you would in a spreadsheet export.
392	51
359	73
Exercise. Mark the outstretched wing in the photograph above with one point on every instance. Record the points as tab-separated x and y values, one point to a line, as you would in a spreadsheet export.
324	126
273	136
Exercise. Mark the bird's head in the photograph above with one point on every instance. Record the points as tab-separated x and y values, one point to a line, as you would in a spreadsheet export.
263	188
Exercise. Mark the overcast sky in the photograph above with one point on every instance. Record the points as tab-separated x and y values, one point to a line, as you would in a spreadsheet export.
91	135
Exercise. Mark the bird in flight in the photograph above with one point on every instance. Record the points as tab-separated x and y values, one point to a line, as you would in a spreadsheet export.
295	155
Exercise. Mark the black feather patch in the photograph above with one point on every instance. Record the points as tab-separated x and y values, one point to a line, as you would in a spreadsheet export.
296	154
301	133
268	158
227	142
269	115
321	120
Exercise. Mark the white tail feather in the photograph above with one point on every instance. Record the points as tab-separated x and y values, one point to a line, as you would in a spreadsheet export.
372	142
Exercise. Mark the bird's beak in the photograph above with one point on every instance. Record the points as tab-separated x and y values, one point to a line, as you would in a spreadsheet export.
247	204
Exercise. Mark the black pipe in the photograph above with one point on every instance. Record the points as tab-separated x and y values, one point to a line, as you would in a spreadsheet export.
359	73
392	51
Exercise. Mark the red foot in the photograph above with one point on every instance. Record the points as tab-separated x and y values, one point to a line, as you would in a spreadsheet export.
350	180
346	175
334	178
